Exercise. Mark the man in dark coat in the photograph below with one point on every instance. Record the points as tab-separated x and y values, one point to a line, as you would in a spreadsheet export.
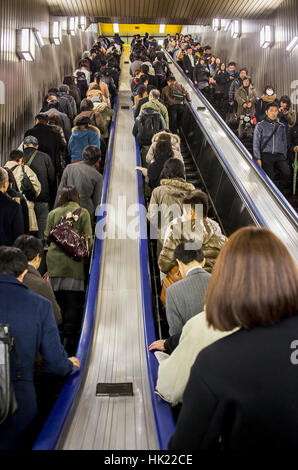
11	215
33	327
189	62
42	166
49	141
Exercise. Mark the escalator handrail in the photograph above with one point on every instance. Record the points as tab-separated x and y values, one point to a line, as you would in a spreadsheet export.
250	203
278	195
165	425
51	431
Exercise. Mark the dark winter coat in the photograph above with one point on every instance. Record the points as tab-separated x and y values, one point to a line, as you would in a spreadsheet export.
201	75
34	329
222	82
11	220
138	131
49	141
45	172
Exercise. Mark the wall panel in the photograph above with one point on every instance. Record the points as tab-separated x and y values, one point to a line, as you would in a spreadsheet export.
26	83
273	65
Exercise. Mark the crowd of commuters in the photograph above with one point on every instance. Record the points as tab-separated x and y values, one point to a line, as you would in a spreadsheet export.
224	298
269	121
54	178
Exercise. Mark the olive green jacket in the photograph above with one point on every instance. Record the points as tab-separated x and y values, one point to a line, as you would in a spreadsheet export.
158	107
58	262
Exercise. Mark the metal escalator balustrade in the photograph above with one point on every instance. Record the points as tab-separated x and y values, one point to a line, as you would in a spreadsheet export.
266	205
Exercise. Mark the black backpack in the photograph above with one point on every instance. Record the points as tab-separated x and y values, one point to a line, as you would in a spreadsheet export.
150	125
8	403
27	187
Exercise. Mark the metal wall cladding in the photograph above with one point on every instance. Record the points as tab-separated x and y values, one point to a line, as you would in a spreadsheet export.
266	66
24	84
163	11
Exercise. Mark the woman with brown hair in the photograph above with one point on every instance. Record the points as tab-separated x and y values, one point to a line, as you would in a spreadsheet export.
242	391
66	274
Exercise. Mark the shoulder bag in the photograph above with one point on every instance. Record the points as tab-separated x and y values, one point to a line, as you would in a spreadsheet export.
72	242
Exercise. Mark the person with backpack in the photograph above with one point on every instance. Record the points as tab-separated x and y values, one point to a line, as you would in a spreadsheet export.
157	106
146	126
31	323
27	184
174	96
42	166
270	144
161	69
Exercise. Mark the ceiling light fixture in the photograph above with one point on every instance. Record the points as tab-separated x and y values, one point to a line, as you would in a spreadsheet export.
116	27
55	33
162	28
235	29
71	26
25	44
82	23
216	24
266	37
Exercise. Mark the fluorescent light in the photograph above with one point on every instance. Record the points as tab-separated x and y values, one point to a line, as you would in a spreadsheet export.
235	29
71	26
38	37
216	24
227	24
56	33
82	22
116	27
25	44
266	36
290	47
76	22
162	28
160	42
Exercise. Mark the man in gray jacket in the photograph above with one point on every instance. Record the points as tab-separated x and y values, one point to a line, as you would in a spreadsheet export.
270	144
86	179
185	298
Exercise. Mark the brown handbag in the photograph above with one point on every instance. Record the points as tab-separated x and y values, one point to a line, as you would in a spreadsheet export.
72	242
173	276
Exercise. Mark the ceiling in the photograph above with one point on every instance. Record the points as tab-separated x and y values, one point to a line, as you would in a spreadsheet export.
163	11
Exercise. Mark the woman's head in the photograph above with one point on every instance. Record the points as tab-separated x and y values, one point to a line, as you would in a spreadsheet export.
16	156
202	61
218	61
173	168
222	66
68	194
254	282
163	150
86	105
247	81
269	90
212	59
141	90
69	80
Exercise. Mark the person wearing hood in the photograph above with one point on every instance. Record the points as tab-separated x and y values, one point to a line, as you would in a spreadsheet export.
83	134
53	109
268	97
167	198
165	134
